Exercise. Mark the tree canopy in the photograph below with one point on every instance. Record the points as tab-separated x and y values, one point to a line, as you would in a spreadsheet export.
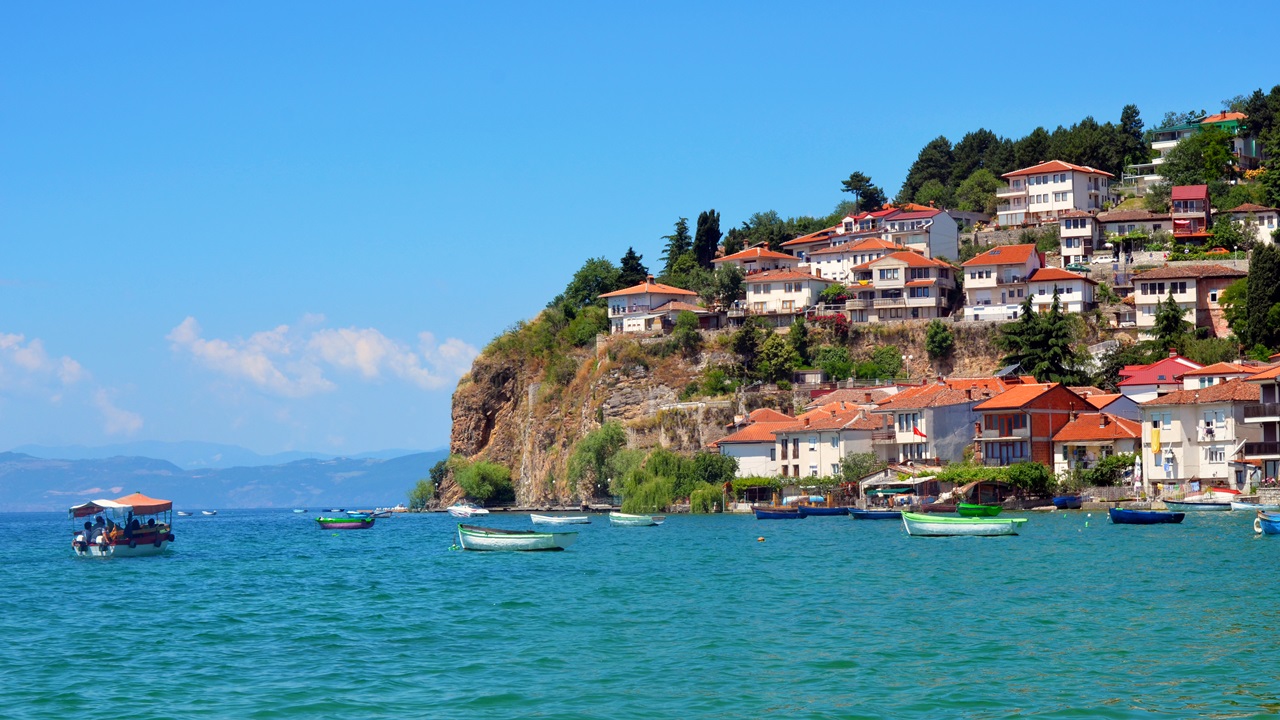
707	237
631	271
866	195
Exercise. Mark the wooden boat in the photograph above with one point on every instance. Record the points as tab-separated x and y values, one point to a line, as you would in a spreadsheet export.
1068	502
821	510
462	509
472	537
146	527
777	513
631	520
1253	506
938	507
1197	505
929	526
1267	523
972	510
559	519
857	514
345	523
1121	516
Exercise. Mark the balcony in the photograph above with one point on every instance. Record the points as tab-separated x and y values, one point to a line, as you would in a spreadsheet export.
619	311
1010	280
1209	435
1011	192
1267	449
889	302
856	304
883	435
1265	412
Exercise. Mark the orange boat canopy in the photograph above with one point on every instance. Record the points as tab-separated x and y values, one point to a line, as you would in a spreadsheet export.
143	505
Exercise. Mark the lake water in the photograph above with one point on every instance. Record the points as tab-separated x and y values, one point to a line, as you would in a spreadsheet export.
260	614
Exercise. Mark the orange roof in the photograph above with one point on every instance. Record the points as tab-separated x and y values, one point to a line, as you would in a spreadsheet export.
1016	396
1270	374
1085	390
768	415
1057	274
1233	390
757	253
1004	255
1223	117
1222	368
143	505
1189	271
649	286
927	396
865	244
992	384
785	275
824	235
914	259
829	417
761	432
852	396
1103	400
677	306
1056	166
1098	426
1250	207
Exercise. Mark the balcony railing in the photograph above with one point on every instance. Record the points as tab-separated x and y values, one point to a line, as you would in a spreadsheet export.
1258	449
1011	192
1263	410
883	435
1208	434
856	304
1010	280
890	302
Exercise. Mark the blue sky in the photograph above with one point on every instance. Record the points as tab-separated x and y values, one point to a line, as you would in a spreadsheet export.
290	226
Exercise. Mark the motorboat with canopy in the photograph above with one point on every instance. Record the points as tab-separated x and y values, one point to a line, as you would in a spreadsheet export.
131	526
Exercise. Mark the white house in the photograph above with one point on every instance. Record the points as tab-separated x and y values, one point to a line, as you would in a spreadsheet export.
1075	291
1194	435
635	309
930	231
903	285
754	447
1259	220
1043	192
1196	289
1146	382
781	295
756	259
1091	437
933	423
835	261
814	445
1079	235
1216	373
995	282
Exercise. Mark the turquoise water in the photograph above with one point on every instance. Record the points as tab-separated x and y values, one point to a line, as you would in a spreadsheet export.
260	614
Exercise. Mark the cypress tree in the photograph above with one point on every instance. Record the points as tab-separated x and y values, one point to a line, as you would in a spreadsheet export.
678	243
706	238
1262	295
633	272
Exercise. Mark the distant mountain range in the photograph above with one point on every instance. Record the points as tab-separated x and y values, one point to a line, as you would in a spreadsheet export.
192	455
29	483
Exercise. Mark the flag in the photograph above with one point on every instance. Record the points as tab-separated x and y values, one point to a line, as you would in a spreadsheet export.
919	432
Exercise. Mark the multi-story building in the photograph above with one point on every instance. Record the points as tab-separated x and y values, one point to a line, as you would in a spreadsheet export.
1190	212
900	286
814	445
1196	289
1075	291
1092	437
1123	222
636	309
835	261
931	232
930	423
1194	435
1043	192
995	282
779	296
1019	424
1079	234
1141	383
753	444
1259	221
1265	415
756	259
1247	150
1215	374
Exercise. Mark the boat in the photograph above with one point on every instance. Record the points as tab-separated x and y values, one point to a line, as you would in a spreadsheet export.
631	520
183	513
774	512
857	514
345	523
927	526
472	537
938	507
1266	523
1197	505
1121	516
380	514
559	519
1068	502
296	510
463	509
359	514
972	510
807	510
208	512
131	526
1235	505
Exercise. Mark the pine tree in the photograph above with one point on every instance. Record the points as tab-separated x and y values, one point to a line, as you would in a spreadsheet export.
633	272
1051	354
866	195
1018	338
678	243
1171	325
707	237
1262	297
798	336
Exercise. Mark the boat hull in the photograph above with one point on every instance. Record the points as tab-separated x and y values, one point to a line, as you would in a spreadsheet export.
875	514
765	514
471	537
1068	502
629	520
1183	506
818	510
970	510
121	550
345	523
466	511
559	519
1120	516
1267	523
1253	506
925	526
938	508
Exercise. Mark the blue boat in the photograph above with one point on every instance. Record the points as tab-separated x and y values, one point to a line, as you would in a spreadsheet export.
358	515
1121	516
1267	523
1068	502
875	514
777	514
819	510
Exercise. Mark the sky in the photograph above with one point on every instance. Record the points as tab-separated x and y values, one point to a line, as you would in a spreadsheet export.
291	226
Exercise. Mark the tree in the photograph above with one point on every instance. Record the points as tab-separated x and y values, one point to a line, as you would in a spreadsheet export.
889	358
1132	146
1032	149
1170	323
1270	182
798	338
707	237
421	494
1204	158
482	480
1229	232
726	285
678	244
933	163
865	195
938	340
855	466
596	277
777	360
834	361
747	343
1031	477
688	274
934	193
685	337
1018	338
1050	354
713	468
1235	309
439	472
977	150
1263	299
734	241
978	192
632	272
591	458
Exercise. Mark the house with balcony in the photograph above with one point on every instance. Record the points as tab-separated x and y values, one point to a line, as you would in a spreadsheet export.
835	261
995	282
818	440
1245	148
753	444
1259	221
929	231
1079	234
1265	416
1019	424
929	424
636	309
1196	435
1196	289
900	286
1123	222
1091	438
1075	291
780	296
757	259
1043	192
1189	208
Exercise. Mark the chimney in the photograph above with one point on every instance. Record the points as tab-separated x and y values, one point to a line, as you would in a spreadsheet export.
868	396
1102	420
1173	352
648	278
806	422
833	412
842	406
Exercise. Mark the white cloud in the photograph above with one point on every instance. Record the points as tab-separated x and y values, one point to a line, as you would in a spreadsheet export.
117	421
27	368
291	362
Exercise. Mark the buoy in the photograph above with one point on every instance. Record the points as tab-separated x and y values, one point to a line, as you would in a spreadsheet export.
1086	523
760	539
1257	525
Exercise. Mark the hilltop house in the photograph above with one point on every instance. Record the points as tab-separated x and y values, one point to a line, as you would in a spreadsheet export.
1259	221
1245	147
995	282
757	259
1194	435
1123	222
835	261
1196	289
1075	291
1078	236
1190	212
636	309
898	286
1019	424
1043	192
929	231
1215	374
1089	438
780	296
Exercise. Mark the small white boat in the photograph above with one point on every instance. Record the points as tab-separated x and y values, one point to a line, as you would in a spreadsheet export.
183	513
1253	506
472	537
296	510
630	520
939	526
559	519
462	509
1197	504
208	512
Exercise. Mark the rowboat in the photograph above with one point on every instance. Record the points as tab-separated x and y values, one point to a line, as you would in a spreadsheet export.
1252	506
1266	523
928	526
463	509
777	513
297	511
874	514
1068	502
1197	505
1120	516
345	523
821	510
145	528
472	537
630	520
359	514
938	507
972	510
559	519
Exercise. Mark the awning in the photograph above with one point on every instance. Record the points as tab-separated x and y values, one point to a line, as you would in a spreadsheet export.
897	481
143	505
889	491
93	507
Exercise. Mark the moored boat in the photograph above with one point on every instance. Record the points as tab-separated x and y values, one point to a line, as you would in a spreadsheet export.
146	527
974	510
472	537
1068	502
208	512
1253	506
183	513
776	512
295	510
463	509
359	514
938	507
1197	505
821	510
932	526
1267	523
633	520
857	514
559	519
345	523
1121	516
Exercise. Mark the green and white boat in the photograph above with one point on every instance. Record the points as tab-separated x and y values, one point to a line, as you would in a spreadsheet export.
975	510
473	537
937	526
630	520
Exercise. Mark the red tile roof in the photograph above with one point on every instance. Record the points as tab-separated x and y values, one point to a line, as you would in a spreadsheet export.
677	306
912	259
1056	166
827	418
927	396
1101	401
1076	214
824	235
1270	374
1233	390
868	243
1189	192
991	384
1016	396
1057	274
776	275
757	253
1131	216
1163	371
1098	426
761	432
768	415
1083	390
918	215
649	286
1251	208
1223	117
1004	255
852	396
1189	271
1222	368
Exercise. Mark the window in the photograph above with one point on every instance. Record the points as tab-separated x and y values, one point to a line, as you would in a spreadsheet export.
848	225
1216	454
788	305
1178	288
835	468
768	287
784	471
1215	418
795	452
908	422
919	292
889	273
1163	420
795	470
834	441
919	273
773	454
784	451
813	443
813	471
755	288
787	287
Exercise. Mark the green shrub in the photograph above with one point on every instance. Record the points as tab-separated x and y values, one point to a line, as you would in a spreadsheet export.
482	480
652	495
706	498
